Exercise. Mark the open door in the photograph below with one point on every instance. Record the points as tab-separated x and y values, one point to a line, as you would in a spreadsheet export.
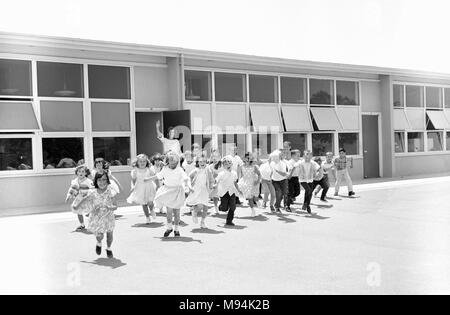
146	137
181	121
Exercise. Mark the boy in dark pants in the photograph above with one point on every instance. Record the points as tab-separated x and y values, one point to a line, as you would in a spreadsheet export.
321	180
294	184
228	189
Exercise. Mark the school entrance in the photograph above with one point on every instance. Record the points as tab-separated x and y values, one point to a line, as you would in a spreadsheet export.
147	138
371	148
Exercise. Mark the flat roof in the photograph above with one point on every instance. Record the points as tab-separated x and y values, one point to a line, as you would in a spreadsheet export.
166	51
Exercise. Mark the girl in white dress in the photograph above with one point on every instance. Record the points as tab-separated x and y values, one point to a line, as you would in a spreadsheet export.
79	188
171	194
215	168
143	189
202	182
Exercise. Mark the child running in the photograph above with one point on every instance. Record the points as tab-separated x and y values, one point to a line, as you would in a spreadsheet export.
102	204
293	181
308	171
101	166
250	177
143	189
342	164
202	181
267	188
328	169
171	194
321	179
79	188
215	168
227	189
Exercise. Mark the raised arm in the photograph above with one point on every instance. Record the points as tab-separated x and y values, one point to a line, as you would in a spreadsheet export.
158	130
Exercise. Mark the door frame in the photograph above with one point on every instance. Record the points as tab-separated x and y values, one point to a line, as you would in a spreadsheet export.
380	138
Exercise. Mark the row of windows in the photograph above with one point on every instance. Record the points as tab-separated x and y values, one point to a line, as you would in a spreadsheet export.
413	142
59	153
232	87
421	96
64	80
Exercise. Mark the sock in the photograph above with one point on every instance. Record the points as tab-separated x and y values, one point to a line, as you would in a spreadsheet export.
99	244
176	228
169	226
108	248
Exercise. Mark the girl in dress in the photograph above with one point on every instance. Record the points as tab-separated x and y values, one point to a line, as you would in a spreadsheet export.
202	181
171	194
250	177
143	190
79	188
102	204
215	168
101	166
158	162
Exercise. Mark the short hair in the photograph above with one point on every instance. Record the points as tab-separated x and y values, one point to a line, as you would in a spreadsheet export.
289	143
157	157
98	176
169	130
294	152
105	165
82	167
329	153
307	152
317	159
228	159
172	156
342	150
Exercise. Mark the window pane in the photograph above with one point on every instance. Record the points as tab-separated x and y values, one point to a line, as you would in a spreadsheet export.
15	77
110	116
114	150
109	82
17	116
398	96
62	116
227	142
265	144
447	98
293	90
230	87
197	85
435	141
448	141
322	143
16	154
321	92
399	142
434	97
347	93
415	142
414	96
62	152
60	79
350	142
204	140
298	141
263	89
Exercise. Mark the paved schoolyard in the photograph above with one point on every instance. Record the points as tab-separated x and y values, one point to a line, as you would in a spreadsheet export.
394	238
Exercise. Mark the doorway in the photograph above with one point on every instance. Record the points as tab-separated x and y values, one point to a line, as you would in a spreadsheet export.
371	146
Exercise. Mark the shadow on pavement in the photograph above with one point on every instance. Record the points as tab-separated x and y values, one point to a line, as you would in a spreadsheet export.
236	227
152	225
85	232
316	216
207	231
323	206
112	263
261	218
286	219
181	239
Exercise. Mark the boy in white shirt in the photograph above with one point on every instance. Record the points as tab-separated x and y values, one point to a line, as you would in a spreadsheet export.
279	178
307	172
293	182
266	184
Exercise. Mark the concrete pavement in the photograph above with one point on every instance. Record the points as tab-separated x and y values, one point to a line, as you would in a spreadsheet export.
393	239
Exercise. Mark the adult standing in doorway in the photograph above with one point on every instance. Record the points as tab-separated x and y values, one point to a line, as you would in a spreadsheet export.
170	144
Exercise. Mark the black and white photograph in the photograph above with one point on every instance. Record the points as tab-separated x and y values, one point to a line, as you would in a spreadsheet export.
223	155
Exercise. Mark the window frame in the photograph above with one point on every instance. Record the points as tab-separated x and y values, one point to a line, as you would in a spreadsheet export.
17	173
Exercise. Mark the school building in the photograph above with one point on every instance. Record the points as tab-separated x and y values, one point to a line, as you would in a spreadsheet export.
67	101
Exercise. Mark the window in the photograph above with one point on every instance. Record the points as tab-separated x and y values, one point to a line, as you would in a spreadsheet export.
325	119
296	118
322	143
109	82
15	77
62	152
447	97
298	141
399	138
434	97
227	143
263	89
293	90
347	93
204	140
16	154
60	79
435	141
111	117
114	150
266	143
448	141
230	87
399	97
62	116
415	142
197	85
414	96
265	118
321	92
350	142
17	116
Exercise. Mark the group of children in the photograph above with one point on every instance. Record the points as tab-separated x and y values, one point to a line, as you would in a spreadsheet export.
172	182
